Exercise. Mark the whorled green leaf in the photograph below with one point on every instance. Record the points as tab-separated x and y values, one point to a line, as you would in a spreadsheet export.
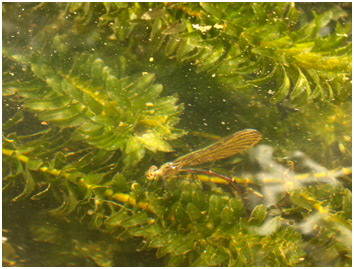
170	245
62	114
264	79
228	216
96	221
137	219
283	89
153	142
220	257
30	185
270	226
193	212
93	178
41	105
211	62
184	50
258	214
134	151
93	104
97	71
173	261
116	92
216	204
147	95
116	219
212	9
33	164
236	206
199	199
205	256
84	96
301	86
161	239
347	201
69	203
318	91
303	200
179	213
185	246
14	120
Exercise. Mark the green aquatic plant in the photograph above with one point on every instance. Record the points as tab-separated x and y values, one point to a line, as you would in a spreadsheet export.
95	93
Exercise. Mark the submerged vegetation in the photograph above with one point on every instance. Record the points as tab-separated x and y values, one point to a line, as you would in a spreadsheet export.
95	93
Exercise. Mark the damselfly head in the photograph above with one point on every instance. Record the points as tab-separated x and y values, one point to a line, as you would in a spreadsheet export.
166	170
152	172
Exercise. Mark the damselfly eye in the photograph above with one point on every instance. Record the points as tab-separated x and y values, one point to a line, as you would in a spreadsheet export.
152	172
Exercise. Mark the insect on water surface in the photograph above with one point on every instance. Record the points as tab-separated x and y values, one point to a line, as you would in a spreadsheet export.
223	148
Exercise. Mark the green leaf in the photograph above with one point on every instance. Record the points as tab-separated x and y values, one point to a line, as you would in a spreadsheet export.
184	49
52	104
292	15
96	222
134	151
283	90
13	121
171	46
180	213
68	205
29	186
258	214
193	212
140	85
93	178
148	96
212	61
302	86
185	246
162	239
107	141
270	226
205	256
137	219
149	231
116	92
174	261
59	160
97	71
62	114
221	255
227	216
198	199
318	91
264	79
236	206
216	204
95	106
117	218
153	142
212	9
33	164
303	200
170	245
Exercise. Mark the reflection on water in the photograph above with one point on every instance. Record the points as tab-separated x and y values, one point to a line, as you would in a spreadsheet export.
276	179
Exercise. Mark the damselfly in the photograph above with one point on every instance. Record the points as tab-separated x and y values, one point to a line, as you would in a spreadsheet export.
225	147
